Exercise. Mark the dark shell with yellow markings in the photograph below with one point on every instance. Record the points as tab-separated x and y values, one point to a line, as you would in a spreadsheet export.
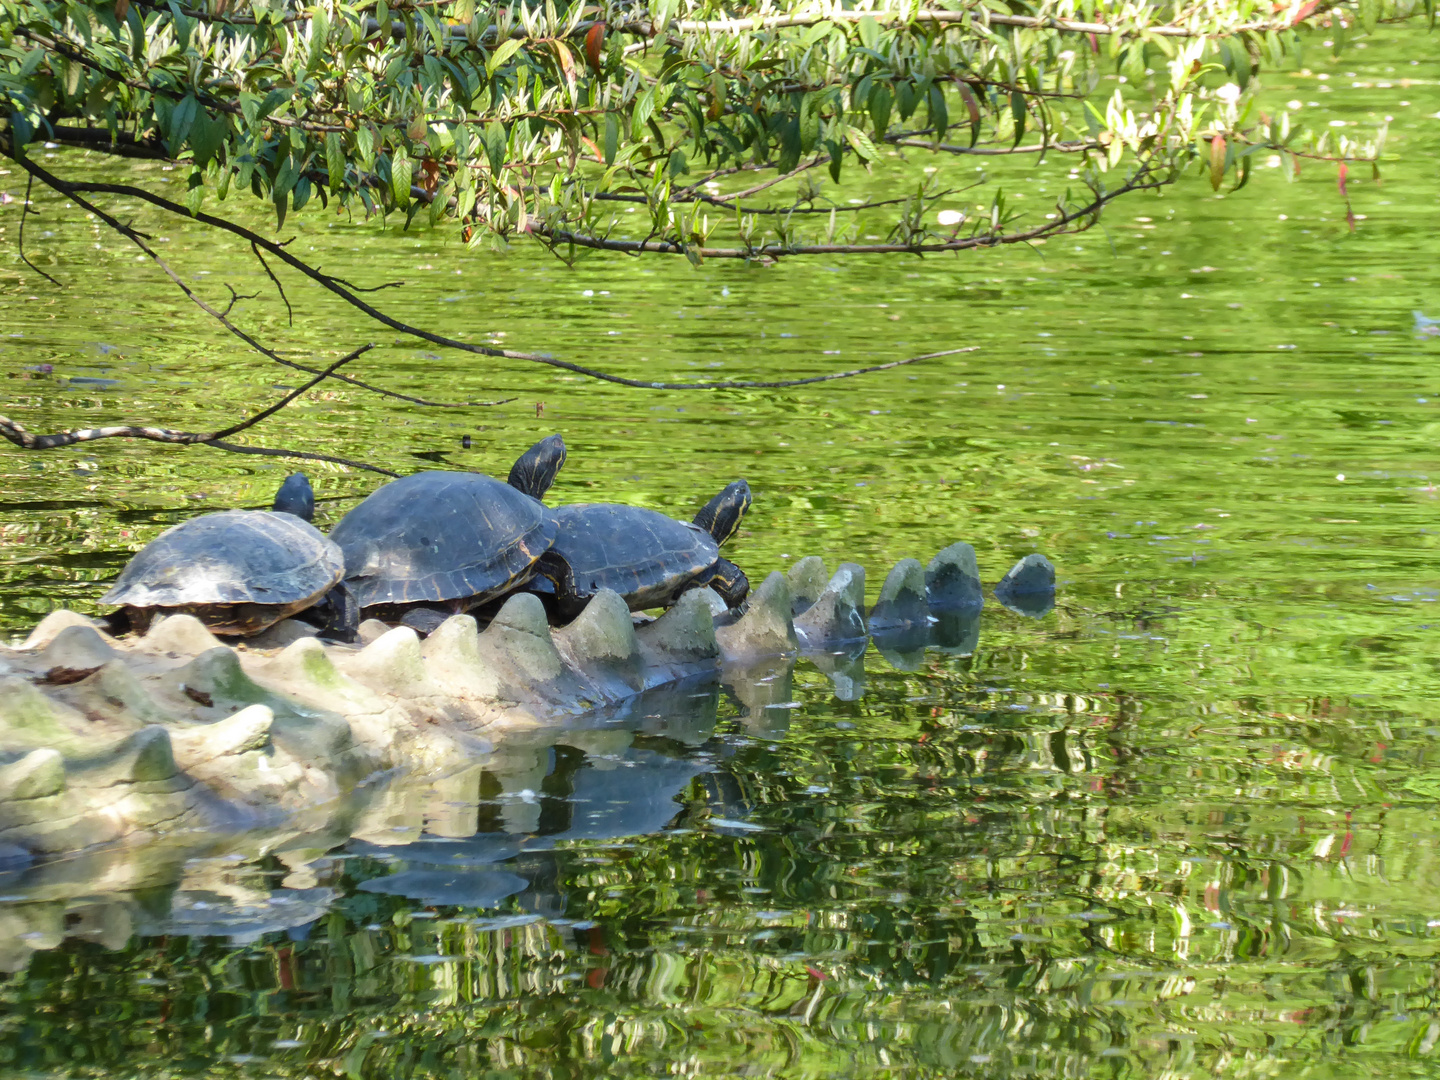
442	537
239	571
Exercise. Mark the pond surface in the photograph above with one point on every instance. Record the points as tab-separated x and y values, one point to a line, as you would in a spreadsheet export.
1182	825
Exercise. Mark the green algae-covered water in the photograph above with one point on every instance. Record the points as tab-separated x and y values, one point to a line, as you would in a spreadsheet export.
1183	825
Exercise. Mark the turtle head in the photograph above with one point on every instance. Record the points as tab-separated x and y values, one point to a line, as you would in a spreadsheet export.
720	517
534	471
296	496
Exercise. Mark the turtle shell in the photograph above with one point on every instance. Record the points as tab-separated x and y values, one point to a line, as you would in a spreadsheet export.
251	559
441	536
643	555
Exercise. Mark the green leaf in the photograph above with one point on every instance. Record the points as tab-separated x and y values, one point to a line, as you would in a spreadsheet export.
880	101
285	178
1017	110
495	144
207	136
181	117
837	158
612	137
195	197
503	52
809	122
24	131
73	73
907	98
273	100
334	161
301	193
365	145
677	165
182	26
862	144
319	38
644	106
869	32
789	133
939	112
401	171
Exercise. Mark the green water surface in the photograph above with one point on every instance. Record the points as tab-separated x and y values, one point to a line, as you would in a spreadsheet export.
1183	825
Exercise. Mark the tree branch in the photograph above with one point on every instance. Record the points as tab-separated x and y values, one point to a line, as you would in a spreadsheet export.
72	190
977	14
1061	224
1074	147
27	440
138	239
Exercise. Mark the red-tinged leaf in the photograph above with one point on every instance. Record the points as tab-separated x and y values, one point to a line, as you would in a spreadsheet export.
1306	10
567	61
590	145
1094	44
815	973
1350	218
1295	161
122	9
595	45
973	108
430	175
1340	180
1217	162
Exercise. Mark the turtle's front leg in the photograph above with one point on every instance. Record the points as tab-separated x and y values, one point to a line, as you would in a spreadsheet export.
730	582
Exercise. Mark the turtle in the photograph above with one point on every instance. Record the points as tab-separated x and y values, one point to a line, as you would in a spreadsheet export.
237	571
437	543
645	556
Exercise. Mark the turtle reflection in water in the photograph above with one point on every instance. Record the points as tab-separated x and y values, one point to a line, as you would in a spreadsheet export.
437	543
238	571
646	557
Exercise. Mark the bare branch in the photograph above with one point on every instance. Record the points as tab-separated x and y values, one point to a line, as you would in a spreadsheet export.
251	421
138	239
289	313
1072	221
73	190
1074	147
27	440
305	455
235	298
121	144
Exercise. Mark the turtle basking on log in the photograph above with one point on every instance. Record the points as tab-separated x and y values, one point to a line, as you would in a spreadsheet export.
238	571
433	544
645	556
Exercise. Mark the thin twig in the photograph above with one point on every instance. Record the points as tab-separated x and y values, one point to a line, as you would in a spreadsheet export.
289	314
266	451
235	298
25	212
251	421
989	151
